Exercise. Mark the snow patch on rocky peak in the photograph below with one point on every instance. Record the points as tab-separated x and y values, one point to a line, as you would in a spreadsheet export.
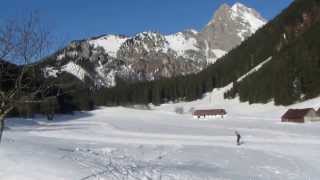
180	43
71	68
248	16
193	31
110	43
75	70
219	53
50	72
147	35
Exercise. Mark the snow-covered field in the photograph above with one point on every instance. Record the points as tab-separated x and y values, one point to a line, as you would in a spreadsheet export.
123	143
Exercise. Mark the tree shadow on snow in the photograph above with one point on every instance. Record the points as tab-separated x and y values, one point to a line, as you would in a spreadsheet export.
41	121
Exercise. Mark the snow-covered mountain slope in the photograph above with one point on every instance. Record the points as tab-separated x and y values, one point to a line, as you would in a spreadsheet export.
150	55
147	42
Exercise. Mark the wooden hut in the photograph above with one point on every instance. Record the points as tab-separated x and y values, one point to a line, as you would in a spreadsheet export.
300	115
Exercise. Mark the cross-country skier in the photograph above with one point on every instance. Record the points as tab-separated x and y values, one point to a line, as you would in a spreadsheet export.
238	138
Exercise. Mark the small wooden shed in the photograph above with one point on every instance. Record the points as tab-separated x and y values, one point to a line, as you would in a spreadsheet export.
209	113
300	115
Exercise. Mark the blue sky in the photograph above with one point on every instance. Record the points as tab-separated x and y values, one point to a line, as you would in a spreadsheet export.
77	19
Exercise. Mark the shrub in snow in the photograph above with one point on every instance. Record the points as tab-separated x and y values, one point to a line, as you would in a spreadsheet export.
179	110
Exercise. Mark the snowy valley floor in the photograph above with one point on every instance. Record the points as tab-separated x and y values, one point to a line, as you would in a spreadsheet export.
122	143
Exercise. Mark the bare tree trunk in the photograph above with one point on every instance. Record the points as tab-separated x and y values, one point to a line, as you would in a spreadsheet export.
2	121
1	127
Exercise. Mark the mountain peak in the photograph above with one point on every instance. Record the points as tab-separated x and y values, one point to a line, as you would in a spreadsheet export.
236	10
231	25
239	5
241	9
224	6
219	13
248	16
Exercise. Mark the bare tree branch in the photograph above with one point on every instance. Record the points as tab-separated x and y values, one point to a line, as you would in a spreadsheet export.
6	39
22	43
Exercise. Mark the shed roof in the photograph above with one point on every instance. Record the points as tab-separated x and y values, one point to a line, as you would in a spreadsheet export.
297	113
210	112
